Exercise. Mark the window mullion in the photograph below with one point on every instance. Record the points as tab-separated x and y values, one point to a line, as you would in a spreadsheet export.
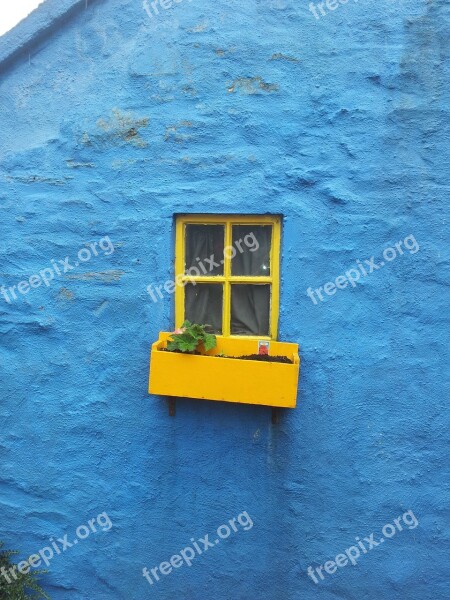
201	279
252	279
226	321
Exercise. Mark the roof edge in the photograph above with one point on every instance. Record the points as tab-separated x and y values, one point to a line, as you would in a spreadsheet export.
47	17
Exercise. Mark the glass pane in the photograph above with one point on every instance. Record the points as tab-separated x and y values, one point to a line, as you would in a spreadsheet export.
250	309
204	249
252	245
203	304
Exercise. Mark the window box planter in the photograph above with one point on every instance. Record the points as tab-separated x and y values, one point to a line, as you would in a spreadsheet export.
210	377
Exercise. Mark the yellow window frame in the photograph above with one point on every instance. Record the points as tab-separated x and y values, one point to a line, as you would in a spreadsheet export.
227	279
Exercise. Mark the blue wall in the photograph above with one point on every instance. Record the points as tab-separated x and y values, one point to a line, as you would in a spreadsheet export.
115	123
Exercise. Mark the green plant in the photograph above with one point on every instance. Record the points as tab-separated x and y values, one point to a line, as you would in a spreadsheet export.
189	337
14	585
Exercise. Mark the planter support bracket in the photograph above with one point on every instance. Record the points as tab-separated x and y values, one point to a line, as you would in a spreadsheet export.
172	407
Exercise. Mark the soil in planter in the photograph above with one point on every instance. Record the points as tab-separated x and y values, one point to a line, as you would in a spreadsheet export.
265	358
260	357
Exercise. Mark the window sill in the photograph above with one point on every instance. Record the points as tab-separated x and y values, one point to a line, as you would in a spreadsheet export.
209	377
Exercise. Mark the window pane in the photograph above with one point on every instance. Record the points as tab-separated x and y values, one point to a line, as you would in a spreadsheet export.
203	304
250	309
204	242
252	245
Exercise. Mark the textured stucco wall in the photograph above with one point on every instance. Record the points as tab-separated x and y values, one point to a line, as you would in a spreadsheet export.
111	126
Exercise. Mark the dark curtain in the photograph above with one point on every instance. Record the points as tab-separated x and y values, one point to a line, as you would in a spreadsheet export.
255	243
203	305
202	241
250	309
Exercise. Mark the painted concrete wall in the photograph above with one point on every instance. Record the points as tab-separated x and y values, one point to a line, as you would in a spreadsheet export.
110	127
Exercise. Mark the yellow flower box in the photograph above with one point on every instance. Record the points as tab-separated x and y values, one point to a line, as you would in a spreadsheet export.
210	377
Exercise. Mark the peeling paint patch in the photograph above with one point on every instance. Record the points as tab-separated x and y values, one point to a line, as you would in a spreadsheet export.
65	294
252	85
105	276
279	56
172	133
189	90
78	165
118	163
38	179
222	52
120	128
199	28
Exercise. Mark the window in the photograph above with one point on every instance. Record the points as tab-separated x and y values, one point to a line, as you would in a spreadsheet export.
229	270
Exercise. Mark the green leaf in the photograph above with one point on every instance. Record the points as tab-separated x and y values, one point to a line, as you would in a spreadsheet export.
189	340
172	345
197	330
186	342
187	345
210	341
20	587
